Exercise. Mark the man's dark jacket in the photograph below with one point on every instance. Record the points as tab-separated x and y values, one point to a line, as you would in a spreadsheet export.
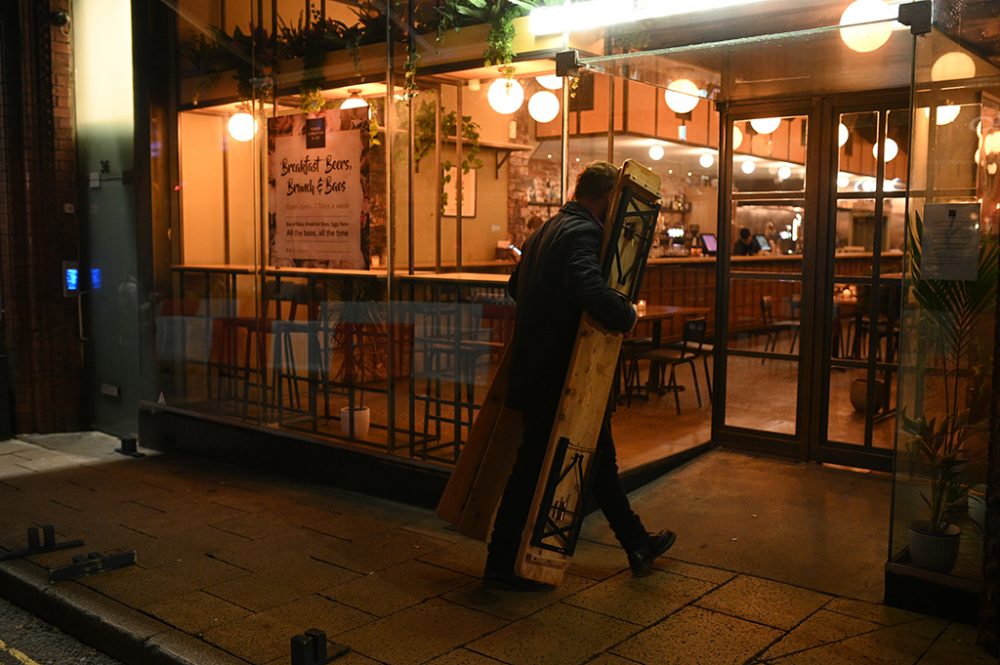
558	278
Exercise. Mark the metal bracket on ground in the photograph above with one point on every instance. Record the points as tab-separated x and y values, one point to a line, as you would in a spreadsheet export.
94	563
310	648
129	447
48	543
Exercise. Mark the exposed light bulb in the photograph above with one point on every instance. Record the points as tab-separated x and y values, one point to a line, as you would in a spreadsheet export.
891	150
505	95
842	135
242	126
737	137
550	81
656	152
543	106
952	66
707	160
784	173
843	180
748	166
765	125
866	38
682	95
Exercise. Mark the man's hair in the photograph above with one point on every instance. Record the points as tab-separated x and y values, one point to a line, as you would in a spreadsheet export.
596	180
745	233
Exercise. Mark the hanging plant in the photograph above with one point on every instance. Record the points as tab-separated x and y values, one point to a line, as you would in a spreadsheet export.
310	40
208	58
424	138
498	14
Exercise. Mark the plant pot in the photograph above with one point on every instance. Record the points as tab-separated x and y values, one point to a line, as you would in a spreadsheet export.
931	551
361	416
859	394
977	505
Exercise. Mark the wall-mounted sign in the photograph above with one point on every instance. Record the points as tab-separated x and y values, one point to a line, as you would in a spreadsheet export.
950	243
318	179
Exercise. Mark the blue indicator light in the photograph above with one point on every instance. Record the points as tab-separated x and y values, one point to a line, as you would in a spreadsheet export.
72	279
95	278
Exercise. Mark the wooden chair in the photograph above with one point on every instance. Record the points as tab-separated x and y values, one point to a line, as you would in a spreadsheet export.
665	357
694	342
772	328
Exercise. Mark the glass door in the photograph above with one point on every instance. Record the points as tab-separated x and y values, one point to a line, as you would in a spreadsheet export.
766	272
865	220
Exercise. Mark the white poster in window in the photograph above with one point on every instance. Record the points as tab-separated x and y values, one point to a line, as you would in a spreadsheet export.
317	173
950	242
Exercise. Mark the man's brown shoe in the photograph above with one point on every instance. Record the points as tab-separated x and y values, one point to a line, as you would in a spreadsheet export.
641	560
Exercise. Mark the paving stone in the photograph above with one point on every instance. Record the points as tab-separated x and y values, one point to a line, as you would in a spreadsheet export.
258	591
597	561
513	605
772	603
381	551
200	540
821	628
196	612
257	638
419	633
351	658
886	646
468	556
254	525
715	575
926	627
182	518
315	611
141	588
957	644
874	612
560	634
288	545
396	587
463	657
697	636
644	600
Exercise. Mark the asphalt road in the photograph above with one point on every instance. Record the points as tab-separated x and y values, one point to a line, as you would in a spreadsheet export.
27	640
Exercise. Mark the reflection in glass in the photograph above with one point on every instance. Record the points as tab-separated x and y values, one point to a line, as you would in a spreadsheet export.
764	315
769	154
768	230
761	396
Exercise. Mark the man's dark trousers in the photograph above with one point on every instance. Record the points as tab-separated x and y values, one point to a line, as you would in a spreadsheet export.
516	502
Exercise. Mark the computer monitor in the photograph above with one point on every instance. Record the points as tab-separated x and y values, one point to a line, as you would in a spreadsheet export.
710	243
763	242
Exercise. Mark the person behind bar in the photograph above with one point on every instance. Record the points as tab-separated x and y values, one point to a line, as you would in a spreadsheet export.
745	245
559	278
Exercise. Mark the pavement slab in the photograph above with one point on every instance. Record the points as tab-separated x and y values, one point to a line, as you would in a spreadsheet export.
513	605
772	603
821	628
420	633
557	635
597	561
696	636
197	612
644	600
382	550
397	587
957	644
885	646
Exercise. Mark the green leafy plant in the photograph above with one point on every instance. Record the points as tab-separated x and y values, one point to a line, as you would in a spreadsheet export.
498	14
310	40
951	317
424	138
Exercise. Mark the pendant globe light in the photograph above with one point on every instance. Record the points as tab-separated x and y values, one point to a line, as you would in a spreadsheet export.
355	101
543	106
706	160
765	125
737	137
842	135
242	126
550	81
953	66
505	95
944	115
656	152
870	37
891	150
682	96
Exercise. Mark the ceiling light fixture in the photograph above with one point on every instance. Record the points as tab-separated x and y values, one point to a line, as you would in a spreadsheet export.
891	150
765	125
707	160
550	81
865	25
656	152
355	101
842	135
242	126
748	166
682	96
543	106
505	95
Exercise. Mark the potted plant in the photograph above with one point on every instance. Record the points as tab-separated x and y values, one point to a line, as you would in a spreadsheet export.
954	354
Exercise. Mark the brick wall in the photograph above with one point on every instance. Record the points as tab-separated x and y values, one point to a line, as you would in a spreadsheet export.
38	171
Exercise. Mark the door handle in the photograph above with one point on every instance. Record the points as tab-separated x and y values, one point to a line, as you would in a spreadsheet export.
79	316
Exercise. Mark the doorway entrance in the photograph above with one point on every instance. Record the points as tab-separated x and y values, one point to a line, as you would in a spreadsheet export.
813	146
